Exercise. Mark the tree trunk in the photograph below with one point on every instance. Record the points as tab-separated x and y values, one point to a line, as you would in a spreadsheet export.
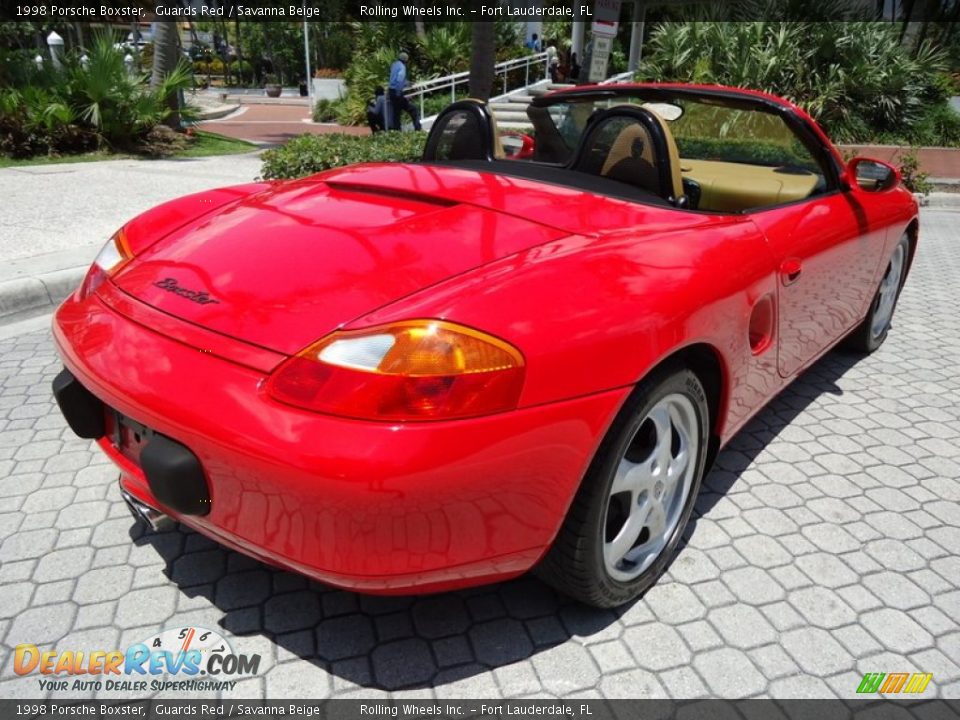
482	60
165	59
418	25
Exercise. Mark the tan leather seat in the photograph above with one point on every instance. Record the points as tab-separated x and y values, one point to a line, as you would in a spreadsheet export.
631	159
632	155
644	165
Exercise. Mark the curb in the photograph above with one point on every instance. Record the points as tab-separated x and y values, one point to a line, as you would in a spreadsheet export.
217	113
939	200
31	294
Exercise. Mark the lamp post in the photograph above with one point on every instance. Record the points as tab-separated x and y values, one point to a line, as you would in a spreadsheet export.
306	54
55	43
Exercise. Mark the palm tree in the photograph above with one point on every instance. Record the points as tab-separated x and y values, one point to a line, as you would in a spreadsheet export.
482	60
166	43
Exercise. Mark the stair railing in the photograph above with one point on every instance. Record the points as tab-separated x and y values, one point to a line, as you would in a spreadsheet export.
502	72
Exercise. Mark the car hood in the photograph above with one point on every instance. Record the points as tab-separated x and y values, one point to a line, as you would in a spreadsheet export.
291	263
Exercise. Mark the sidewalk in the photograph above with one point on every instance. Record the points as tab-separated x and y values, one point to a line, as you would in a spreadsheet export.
57	217
273	124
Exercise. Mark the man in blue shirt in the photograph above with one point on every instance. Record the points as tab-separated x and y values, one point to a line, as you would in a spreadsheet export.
398	101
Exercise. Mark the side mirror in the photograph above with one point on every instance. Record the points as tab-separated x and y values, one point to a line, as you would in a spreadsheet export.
517	146
871	175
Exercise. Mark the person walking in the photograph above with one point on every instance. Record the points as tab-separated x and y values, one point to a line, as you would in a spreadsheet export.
395	88
553	64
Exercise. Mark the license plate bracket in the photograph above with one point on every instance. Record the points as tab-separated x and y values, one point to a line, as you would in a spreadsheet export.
129	436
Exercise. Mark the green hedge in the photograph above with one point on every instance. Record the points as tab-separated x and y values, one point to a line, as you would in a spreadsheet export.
756	152
309	154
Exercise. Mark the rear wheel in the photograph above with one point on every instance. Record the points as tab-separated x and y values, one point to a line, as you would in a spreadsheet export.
627	519
870	334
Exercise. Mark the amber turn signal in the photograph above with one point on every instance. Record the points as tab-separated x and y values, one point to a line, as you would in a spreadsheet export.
412	370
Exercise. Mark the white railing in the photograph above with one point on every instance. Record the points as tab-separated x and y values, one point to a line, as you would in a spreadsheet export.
529	63
624	77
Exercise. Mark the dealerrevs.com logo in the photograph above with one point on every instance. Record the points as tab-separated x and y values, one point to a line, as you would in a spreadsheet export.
180	659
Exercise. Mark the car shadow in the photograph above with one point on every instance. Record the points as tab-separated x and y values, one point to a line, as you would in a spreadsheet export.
411	642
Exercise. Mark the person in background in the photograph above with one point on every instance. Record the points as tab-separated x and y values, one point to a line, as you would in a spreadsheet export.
376	111
398	101
534	43
574	67
553	64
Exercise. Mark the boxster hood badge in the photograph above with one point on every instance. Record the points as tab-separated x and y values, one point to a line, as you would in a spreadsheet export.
198	296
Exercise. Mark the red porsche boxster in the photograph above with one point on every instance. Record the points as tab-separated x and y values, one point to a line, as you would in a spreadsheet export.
419	376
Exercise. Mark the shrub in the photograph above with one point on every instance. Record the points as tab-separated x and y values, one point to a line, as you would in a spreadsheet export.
914	179
327	73
368	69
758	152
854	77
325	110
310	154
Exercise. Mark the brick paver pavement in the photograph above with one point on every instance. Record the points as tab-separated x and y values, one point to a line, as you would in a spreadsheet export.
827	545
274	124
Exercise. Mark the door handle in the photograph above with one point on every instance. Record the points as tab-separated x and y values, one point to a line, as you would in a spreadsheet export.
790	270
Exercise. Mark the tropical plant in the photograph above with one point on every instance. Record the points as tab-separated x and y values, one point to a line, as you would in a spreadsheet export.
444	49
369	69
853	77
83	105
118	105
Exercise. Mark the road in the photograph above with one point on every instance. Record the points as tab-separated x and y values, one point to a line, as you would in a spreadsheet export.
826	545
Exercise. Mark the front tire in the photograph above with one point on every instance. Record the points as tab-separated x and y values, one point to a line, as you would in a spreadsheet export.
870	334
628	516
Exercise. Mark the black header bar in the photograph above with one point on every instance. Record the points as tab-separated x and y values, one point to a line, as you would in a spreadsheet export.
98	11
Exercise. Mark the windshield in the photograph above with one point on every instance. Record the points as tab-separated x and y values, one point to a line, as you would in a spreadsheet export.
732	153
703	130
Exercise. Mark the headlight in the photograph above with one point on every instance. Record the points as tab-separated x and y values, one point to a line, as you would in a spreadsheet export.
413	370
114	255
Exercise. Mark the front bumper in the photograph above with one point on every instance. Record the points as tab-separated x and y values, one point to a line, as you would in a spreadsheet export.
378	507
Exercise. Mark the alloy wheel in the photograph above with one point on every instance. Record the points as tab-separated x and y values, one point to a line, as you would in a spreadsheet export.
650	488
887	295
